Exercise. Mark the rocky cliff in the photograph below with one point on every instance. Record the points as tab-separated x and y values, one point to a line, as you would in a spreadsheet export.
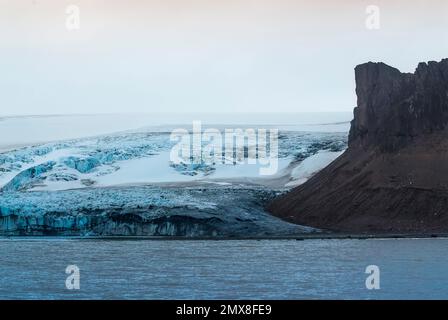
394	175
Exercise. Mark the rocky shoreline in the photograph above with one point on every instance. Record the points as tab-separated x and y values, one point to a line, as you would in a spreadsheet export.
322	235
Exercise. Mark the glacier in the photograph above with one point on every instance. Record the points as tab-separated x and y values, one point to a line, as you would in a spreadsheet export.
124	184
90	159
143	211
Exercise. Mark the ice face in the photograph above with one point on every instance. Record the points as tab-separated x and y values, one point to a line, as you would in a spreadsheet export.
28	177
143	210
83	165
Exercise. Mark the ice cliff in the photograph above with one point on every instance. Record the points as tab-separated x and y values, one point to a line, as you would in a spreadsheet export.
143	211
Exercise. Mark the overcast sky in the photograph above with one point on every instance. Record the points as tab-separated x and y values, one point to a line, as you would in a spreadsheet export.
205	55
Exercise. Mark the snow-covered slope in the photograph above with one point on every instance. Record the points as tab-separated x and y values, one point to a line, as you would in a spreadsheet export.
136	158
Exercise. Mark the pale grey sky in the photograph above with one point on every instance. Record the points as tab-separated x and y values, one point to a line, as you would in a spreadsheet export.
205	55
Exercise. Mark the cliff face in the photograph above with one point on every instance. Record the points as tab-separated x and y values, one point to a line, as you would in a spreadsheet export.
394	175
394	107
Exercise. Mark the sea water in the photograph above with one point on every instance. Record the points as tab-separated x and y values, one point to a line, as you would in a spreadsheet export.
34	268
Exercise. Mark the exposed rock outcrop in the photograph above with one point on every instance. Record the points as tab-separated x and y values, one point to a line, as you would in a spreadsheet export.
394	107
394	175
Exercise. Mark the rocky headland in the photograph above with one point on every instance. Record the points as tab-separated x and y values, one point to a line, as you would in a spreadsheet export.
393	178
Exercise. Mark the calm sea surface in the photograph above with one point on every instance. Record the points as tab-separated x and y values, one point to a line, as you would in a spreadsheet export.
249	269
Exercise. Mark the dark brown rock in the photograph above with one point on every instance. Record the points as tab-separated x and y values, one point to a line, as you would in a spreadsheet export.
394	175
